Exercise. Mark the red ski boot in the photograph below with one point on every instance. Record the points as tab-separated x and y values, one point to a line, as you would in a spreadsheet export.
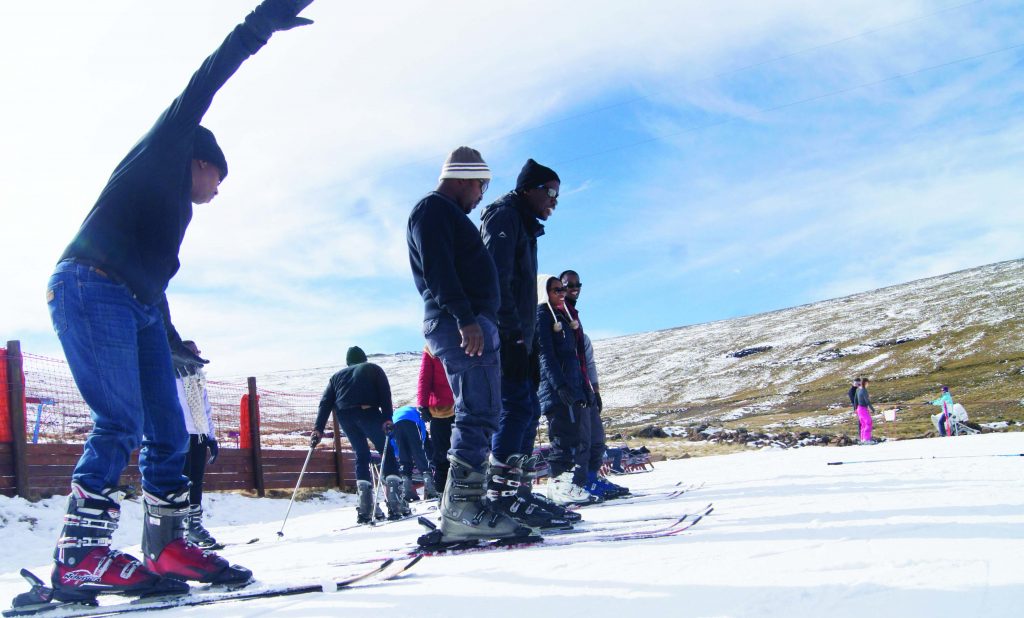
167	551
85	566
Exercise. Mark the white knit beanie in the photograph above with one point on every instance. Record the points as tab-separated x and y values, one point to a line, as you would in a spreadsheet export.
465	163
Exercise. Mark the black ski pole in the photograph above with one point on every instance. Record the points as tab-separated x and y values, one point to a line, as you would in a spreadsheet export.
280	533
860	461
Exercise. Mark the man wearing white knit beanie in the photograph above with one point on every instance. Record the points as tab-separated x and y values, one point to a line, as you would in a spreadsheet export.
458	281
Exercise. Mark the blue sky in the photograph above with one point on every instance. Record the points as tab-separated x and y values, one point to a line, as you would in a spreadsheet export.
717	161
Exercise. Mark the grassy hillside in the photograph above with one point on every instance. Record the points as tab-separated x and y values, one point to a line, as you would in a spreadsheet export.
789	370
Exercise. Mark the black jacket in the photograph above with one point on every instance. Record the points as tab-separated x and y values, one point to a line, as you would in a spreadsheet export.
559	359
853	396
136	226
360	385
510	232
450	266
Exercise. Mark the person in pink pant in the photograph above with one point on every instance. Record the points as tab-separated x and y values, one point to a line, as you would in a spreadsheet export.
864	412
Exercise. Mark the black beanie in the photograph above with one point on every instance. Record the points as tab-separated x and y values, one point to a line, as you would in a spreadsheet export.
205	148
355	355
534	175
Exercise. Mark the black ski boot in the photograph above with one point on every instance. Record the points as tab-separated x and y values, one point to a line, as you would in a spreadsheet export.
397	506
504	481
168	552
85	566
561	516
197	534
466	517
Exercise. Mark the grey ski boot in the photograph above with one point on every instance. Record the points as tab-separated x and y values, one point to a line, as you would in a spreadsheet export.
408	492
364	491
429	490
397	506
197	534
466	517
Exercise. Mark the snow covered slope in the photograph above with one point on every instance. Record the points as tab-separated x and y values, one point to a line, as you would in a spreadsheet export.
910	528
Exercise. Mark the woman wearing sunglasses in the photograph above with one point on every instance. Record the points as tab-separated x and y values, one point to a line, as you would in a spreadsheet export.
562	394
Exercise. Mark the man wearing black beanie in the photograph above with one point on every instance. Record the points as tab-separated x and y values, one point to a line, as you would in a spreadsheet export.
510	228
108	306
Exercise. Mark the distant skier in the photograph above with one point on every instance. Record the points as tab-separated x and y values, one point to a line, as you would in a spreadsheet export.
592	439
360	397
853	400
563	395
510	228
864	412
104	299
407	438
436	404
198	415
456	277
941	420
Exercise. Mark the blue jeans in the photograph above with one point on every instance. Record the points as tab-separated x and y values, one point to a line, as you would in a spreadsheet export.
359	426
406	436
518	421
475	382
117	350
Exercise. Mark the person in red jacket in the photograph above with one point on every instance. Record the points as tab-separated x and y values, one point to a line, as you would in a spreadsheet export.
436	404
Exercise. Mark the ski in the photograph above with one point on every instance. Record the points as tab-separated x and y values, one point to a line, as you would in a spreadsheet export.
388	569
598	532
385	522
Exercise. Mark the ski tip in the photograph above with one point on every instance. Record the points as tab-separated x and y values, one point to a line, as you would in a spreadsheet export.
835	463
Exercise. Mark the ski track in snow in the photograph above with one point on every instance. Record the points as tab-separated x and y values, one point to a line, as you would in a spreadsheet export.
790	536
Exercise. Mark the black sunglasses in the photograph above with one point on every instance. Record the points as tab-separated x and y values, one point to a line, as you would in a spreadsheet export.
553	193
557	290
574	286
484	184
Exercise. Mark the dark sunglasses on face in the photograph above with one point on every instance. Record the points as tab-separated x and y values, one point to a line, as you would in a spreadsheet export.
557	290
483	185
573	286
552	193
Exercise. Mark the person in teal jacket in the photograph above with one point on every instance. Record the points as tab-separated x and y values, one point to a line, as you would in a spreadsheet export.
941	420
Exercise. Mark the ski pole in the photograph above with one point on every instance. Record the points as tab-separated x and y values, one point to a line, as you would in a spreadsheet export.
280	533
860	461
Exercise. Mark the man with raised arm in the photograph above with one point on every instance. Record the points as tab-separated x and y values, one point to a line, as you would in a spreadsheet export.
106	300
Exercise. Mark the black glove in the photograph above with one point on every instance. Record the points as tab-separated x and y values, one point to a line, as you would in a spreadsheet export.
566	396
211	443
388	426
186	362
598	402
275	15
515	360
425	414
314	438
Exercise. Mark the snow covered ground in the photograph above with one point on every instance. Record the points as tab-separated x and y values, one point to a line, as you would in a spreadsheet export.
926	528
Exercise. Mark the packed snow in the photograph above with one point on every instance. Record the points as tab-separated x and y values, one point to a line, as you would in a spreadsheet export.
927	527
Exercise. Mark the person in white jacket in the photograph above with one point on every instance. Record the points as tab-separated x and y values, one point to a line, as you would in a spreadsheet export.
195	403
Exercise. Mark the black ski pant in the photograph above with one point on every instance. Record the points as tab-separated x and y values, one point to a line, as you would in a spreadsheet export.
410	448
590	456
441	440
363	426
564	435
195	467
